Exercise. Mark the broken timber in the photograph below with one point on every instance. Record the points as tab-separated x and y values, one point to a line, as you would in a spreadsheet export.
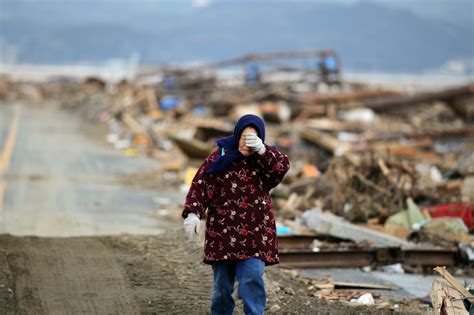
329	143
374	286
448	133
193	148
446	299
455	283
313	98
448	96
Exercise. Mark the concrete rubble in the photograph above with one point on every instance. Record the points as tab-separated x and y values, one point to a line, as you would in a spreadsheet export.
336	226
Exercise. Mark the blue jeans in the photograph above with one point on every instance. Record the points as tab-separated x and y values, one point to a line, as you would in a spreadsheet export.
251	288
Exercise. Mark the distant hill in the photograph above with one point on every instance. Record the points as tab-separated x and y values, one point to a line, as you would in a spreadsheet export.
457	12
368	36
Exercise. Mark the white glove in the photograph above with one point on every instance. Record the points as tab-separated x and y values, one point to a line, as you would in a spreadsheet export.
191	225
255	143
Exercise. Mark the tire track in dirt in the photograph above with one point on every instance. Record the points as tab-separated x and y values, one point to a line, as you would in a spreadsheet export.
130	274
66	276
169	277
166	272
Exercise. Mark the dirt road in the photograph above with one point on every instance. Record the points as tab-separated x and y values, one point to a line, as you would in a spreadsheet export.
123	275
63	179
61	275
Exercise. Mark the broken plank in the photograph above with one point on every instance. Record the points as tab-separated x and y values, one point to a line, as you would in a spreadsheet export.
434	134
444	297
333	125
193	148
326	141
329	143
135	126
375	286
455	283
448	96
313	98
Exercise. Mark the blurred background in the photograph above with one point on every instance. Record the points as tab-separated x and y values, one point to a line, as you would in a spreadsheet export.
107	109
378	36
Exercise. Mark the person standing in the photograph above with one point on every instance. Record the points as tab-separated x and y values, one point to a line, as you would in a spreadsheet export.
231	189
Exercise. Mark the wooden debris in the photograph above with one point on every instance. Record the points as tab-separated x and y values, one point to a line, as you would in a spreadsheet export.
454	283
193	148
327	124
330	143
371	184
446	299
383	167
326	141
346	97
448	95
360	285
433	134
361	171
135	126
277	112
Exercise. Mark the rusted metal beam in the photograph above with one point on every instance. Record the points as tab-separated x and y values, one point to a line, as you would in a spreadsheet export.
296	252
273	55
305	241
367	257
296	241
428	257
344	258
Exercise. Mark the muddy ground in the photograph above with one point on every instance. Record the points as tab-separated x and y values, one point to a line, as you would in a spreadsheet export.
128	275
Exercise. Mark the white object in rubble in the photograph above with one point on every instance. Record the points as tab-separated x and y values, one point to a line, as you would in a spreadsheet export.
436	175
360	115
302	87
347	136
366	299
112	138
467	250
423	168
395	268
275	308
316	246
166	145
122	144
340	151
184	187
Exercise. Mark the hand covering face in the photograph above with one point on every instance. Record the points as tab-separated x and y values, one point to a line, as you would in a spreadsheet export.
230	145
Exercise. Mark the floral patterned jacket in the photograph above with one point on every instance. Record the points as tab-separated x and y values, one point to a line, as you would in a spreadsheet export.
240	221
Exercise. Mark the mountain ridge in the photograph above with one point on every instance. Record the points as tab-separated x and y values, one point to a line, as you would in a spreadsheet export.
368	36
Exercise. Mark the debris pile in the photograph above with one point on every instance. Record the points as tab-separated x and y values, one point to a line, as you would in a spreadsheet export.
360	152
382	168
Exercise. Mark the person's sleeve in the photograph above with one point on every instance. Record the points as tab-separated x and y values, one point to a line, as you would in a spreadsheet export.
274	165
201	190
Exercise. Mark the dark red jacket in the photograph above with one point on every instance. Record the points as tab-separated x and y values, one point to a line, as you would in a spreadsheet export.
240	221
